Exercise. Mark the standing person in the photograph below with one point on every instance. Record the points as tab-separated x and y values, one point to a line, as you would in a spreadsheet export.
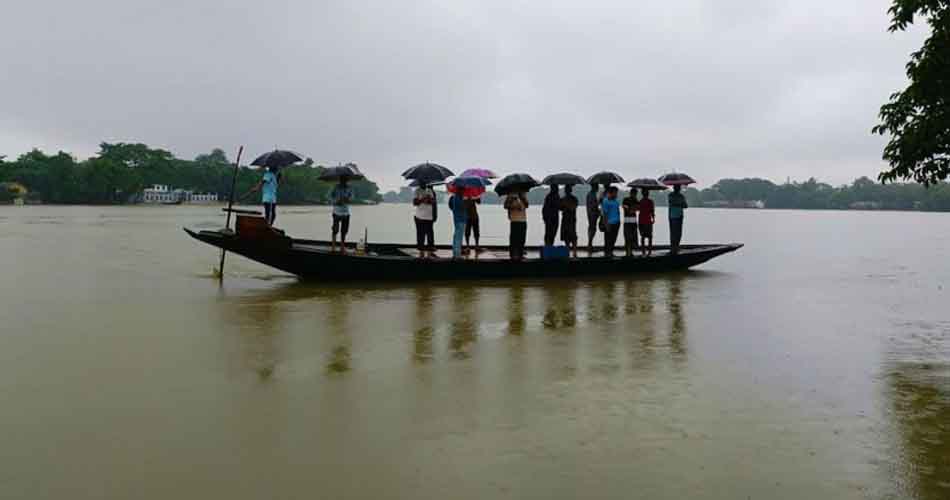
646	218
517	206
268	188
593	216
340	197
472	226
460	219
630	235
424	201
677	208
611	211
549	214
569	220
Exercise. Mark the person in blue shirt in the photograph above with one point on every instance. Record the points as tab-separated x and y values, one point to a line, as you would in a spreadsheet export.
610	207
677	207
460	219
268	188
340	197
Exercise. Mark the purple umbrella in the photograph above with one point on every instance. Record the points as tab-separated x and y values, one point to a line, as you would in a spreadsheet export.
484	173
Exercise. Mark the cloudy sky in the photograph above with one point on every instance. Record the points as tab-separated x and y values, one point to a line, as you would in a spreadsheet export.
715	88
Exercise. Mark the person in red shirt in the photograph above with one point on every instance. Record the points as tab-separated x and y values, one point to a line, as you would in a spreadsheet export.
646	214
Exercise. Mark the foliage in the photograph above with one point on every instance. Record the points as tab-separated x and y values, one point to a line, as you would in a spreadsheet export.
119	171
917	119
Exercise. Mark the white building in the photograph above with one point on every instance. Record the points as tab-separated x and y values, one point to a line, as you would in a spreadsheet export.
160	193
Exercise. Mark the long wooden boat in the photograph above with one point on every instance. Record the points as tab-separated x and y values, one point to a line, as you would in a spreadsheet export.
312	259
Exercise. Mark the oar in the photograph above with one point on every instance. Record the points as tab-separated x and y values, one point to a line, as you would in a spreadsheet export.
227	223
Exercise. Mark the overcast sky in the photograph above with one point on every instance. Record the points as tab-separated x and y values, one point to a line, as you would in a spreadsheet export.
714	88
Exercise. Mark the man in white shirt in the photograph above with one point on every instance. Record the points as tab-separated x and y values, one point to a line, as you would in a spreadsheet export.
425	203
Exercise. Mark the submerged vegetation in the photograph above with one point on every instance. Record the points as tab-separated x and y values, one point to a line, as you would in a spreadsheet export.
119	172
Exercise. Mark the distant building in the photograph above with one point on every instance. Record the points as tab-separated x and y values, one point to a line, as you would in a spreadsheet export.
160	193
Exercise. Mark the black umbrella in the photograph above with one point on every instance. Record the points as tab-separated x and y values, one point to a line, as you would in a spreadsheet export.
278	158
415	184
676	179
428	173
605	178
515	183
563	179
647	183
348	172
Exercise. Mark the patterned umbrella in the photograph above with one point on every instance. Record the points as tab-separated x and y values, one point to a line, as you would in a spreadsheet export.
348	172
428	173
563	179
648	184
484	173
516	183
676	179
605	178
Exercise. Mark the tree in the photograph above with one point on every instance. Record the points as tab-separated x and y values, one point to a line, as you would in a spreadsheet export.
917	119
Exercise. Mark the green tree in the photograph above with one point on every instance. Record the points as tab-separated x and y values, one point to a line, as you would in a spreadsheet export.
917	119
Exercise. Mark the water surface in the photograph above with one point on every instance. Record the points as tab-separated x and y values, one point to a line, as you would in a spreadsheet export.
814	363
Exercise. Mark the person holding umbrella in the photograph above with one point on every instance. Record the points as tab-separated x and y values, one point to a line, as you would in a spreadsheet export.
425	217
630	237
471	200
514	187
593	216
460	218
569	219
550	212
340	197
677	206
567	206
610	207
425	174
646	219
268	188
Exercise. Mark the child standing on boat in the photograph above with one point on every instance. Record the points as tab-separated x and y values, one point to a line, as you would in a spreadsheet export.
646	219
678	205
268	188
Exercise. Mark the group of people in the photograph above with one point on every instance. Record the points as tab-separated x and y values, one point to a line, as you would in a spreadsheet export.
605	212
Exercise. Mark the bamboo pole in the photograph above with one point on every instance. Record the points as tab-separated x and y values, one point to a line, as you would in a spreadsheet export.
227	223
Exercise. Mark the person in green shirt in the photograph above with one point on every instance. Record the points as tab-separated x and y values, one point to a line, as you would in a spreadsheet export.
677	208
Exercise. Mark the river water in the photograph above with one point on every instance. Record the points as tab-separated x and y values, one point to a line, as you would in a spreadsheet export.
813	363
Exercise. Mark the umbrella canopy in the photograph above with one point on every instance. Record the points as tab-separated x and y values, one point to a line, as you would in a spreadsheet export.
676	179
415	184
563	179
428	173
516	183
605	178
278	158
647	183
464	181
484	173
348	172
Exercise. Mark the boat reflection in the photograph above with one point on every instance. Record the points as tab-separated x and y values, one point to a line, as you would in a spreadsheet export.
640	320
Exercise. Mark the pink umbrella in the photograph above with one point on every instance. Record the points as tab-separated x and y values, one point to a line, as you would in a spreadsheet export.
484	173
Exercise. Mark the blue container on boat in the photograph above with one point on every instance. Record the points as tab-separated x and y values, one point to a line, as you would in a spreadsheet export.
555	253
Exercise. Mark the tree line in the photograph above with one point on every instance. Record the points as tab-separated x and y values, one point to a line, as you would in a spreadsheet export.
863	193
119	172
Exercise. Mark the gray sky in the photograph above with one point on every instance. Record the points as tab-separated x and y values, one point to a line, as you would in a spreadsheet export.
714	88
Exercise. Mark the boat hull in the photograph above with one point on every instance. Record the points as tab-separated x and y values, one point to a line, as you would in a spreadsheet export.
310	260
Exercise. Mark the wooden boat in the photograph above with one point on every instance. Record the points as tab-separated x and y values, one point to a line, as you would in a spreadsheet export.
312	259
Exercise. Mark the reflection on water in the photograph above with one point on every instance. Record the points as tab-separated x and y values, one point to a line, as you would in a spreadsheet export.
919	391
463	320
423	332
337	320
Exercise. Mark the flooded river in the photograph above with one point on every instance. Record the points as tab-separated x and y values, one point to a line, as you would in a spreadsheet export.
813	363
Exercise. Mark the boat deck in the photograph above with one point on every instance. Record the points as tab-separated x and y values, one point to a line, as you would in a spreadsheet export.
486	254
